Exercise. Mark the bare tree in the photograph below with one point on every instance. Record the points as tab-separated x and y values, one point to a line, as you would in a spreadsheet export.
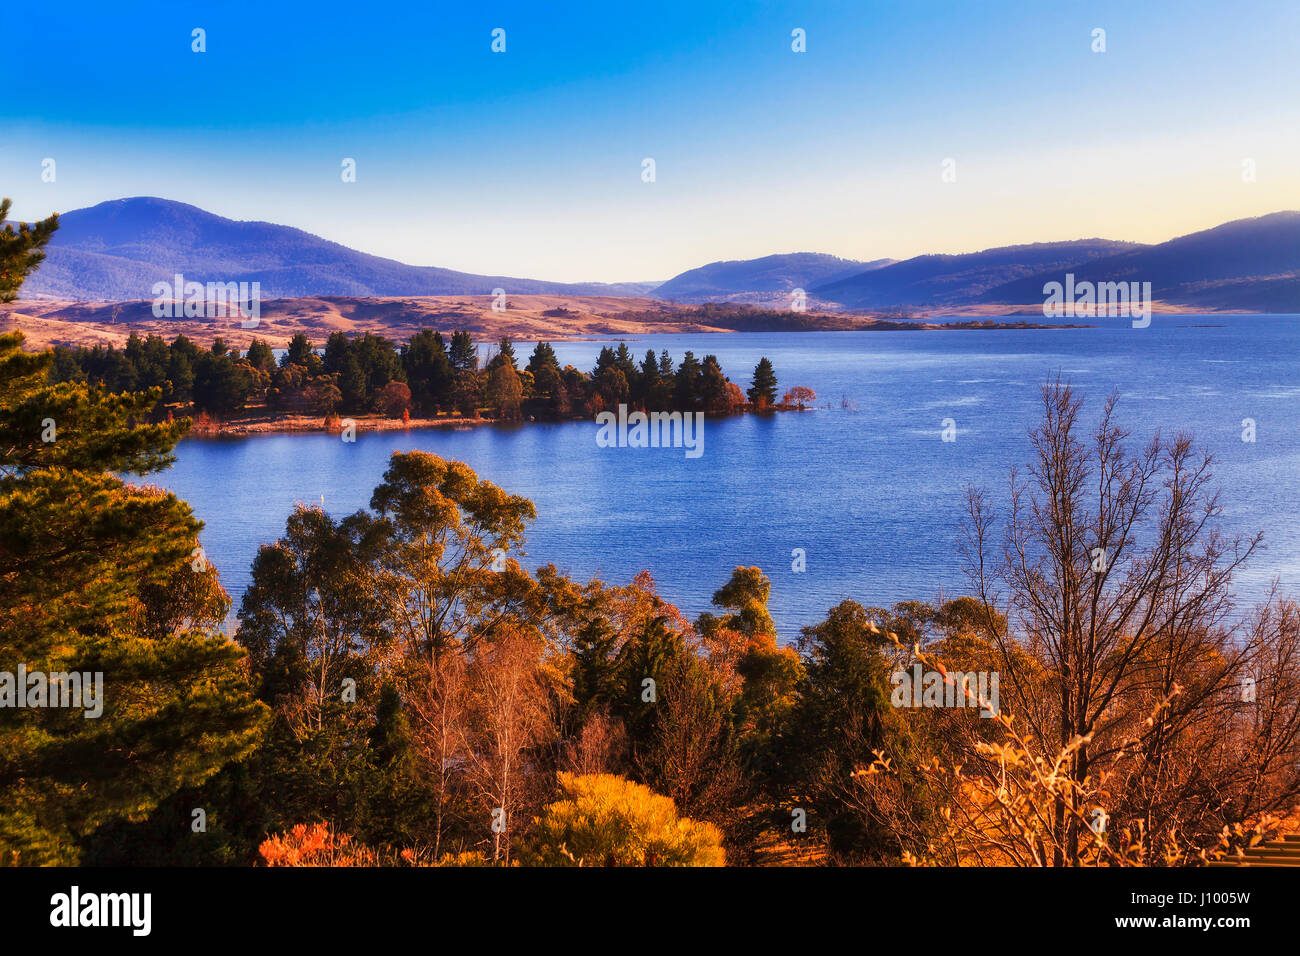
1114	581
436	696
508	722
600	746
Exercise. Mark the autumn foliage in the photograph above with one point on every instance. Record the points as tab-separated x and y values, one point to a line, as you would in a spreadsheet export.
315	844
604	820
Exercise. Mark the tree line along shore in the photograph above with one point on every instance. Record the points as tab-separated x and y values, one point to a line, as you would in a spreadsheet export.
429	380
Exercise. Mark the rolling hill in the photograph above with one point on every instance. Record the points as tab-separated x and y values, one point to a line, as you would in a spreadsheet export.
1247	264
117	250
961	279
740	278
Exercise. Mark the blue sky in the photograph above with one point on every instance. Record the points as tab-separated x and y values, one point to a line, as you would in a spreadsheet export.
529	162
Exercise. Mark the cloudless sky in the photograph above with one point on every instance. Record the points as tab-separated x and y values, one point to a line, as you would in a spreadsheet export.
529	163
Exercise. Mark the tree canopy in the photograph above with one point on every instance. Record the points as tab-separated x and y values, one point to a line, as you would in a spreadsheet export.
103	579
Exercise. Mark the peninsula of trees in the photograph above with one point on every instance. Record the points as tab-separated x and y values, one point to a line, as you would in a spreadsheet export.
429	377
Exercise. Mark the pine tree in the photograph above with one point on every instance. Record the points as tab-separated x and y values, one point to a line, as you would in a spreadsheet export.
604	360
654	654
337	350
649	369
300	351
260	355
713	387
428	371
686	386
762	391
623	359
543	357
463	354
597	680
180	374
506	352
97	576
21	250
544	368
221	385
467	389
352	384
841	716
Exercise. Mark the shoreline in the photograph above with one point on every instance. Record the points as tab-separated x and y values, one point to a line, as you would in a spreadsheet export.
291	424
288	424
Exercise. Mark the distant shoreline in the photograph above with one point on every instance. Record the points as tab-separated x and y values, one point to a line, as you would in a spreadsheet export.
527	319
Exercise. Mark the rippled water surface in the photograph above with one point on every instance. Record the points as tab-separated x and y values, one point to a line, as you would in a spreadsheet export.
866	487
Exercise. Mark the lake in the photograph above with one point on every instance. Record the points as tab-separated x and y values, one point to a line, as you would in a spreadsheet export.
866	487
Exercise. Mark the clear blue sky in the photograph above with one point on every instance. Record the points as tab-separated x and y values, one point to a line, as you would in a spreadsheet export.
529	162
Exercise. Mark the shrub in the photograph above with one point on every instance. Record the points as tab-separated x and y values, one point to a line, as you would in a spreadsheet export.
604	820
314	845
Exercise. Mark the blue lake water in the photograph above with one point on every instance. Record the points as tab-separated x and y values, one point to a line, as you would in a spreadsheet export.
866	487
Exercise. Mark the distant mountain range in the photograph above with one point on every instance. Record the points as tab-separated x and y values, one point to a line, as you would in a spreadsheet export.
117	250
1248	264
964	279
1251	265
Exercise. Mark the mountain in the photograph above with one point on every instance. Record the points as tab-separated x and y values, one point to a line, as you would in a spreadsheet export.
723	281
118	249
961	279
1251	265
1247	264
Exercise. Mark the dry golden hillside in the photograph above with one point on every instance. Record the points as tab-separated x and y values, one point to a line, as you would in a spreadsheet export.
526	317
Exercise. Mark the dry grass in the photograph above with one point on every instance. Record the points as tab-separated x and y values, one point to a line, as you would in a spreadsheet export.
526	318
